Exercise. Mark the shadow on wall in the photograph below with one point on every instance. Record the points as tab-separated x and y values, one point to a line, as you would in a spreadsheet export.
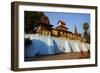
38	48
56	48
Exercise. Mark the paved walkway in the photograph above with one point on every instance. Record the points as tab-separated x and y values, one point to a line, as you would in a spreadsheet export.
63	56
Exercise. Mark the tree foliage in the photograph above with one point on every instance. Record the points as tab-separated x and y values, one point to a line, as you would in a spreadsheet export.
31	18
86	26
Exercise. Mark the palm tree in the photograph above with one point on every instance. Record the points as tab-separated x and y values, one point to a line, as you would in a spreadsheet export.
86	34
85	26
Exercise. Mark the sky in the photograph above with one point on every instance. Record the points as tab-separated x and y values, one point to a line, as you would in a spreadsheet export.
71	19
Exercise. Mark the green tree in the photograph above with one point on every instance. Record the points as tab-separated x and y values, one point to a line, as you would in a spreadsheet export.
31	18
86	34
85	26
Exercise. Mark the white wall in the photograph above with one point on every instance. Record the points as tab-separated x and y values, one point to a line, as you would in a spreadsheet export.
5	40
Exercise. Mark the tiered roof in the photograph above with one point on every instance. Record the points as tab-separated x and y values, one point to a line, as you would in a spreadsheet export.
61	26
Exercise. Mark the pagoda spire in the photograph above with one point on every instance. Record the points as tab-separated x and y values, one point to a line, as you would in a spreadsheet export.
75	30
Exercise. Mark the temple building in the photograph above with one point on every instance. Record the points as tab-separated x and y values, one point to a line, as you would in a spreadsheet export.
44	26
61	31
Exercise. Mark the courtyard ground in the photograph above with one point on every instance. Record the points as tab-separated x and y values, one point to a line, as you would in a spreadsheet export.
62	56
